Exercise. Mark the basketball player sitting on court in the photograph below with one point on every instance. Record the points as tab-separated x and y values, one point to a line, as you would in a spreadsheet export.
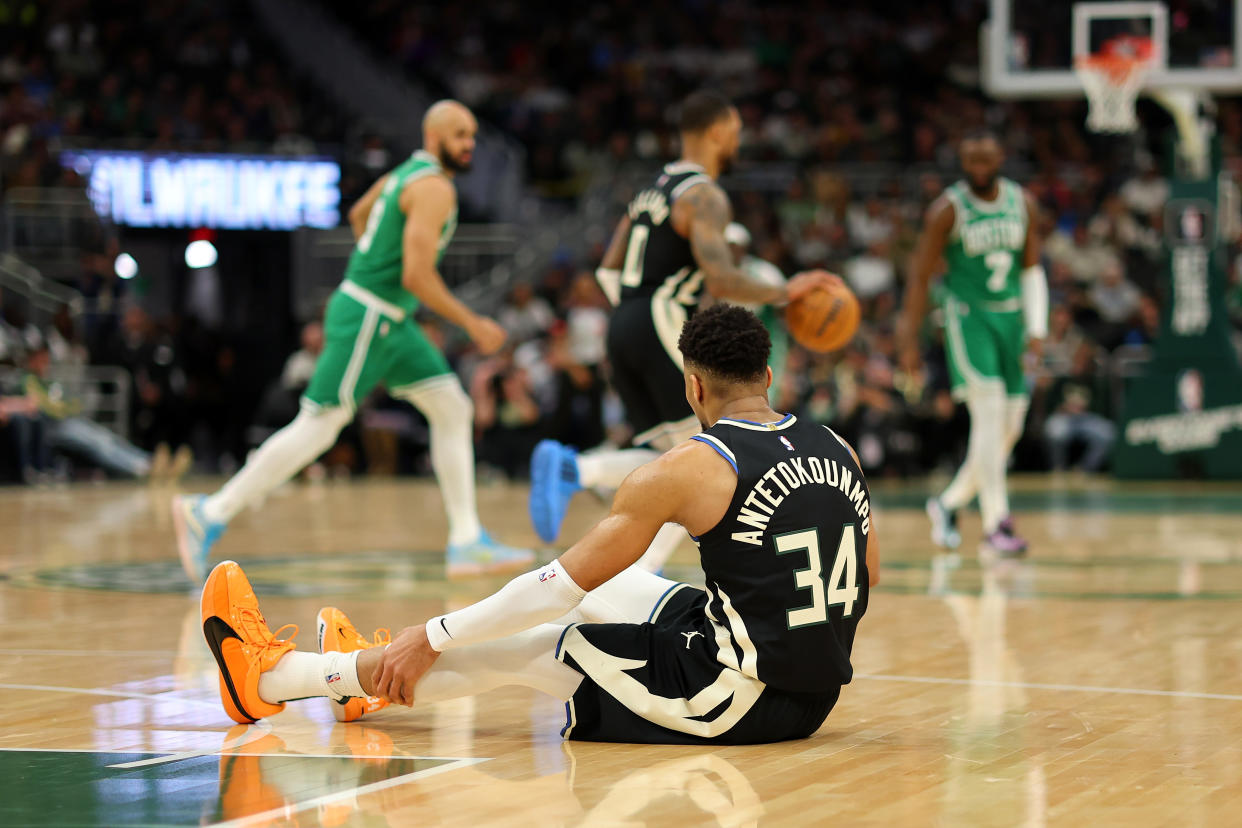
782	516
402	226
666	251
996	307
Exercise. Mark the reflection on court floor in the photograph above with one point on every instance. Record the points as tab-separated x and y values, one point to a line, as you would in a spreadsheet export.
1098	679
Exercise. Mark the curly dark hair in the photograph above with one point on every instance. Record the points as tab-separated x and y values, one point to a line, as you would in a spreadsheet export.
701	109
728	343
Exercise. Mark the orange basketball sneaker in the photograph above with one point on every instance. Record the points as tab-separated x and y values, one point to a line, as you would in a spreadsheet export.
239	638
337	634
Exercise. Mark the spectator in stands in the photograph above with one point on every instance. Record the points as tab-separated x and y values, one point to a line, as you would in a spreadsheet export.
506	416
11	346
872	272
1063	341
281	399
1077	416
64	342
301	363
1146	193
578	417
18	336
525	316
1084	256
158	394
1116	301
65	431
24	429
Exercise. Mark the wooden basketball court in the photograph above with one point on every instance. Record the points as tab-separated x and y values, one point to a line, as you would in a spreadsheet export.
1098	682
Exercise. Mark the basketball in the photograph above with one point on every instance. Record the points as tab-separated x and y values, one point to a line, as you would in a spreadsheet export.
825	319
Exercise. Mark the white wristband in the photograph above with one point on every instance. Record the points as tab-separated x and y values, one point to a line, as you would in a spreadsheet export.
527	600
1035	301
609	282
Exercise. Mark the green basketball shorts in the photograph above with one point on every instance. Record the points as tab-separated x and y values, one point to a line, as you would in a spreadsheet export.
366	345
984	348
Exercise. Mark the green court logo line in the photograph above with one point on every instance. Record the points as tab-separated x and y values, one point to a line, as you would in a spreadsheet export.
1227	501
401	574
395	573
90	787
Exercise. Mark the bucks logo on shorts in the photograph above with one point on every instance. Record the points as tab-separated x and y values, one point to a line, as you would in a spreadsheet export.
984	330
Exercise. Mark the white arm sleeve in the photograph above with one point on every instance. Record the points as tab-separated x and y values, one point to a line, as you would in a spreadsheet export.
530	599
610	283
1035	301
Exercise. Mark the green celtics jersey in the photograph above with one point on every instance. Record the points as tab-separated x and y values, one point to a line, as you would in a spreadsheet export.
984	253
375	263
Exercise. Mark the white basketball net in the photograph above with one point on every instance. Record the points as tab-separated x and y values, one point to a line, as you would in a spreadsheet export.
1112	86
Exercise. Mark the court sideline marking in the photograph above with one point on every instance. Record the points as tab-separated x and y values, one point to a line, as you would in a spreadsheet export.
120	694
285	811
1034	685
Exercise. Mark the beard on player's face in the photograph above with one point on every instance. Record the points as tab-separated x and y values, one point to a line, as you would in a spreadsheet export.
454	162
982	183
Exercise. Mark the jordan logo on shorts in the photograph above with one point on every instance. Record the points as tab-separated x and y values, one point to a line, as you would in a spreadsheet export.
690	637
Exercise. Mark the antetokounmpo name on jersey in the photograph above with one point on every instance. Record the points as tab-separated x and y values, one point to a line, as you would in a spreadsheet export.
985	235
786	476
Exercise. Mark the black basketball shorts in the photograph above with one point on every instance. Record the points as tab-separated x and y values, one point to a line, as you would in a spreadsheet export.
646	371
660	683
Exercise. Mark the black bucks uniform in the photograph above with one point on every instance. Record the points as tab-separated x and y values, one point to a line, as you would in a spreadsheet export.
660	289
762	653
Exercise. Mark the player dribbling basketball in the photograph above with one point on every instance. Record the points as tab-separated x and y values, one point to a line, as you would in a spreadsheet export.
668	249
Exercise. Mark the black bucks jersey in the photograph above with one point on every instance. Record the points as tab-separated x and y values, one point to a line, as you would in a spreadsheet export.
787	566
660	289
658	261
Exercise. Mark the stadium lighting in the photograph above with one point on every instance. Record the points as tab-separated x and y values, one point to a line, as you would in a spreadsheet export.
200	253
126	266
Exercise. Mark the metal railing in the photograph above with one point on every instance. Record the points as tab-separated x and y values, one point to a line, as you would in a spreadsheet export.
102	391
42	297
50	227
478	265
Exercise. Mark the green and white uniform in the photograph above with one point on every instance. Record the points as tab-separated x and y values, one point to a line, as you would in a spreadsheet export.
985	335
369	335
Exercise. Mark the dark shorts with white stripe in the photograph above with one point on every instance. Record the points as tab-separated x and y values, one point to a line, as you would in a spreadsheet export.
660	683
648	381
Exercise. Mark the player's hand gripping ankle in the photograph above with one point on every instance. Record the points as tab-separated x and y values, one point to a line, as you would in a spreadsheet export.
404	662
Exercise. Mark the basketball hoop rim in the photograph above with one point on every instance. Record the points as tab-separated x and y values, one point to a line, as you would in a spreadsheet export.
1116	68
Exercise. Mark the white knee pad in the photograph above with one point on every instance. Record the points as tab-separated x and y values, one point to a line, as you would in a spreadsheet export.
441	400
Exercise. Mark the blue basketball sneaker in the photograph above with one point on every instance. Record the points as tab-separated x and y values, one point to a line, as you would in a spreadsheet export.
485	557
553	481
195	535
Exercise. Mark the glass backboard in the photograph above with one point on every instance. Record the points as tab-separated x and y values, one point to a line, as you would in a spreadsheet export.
1029	46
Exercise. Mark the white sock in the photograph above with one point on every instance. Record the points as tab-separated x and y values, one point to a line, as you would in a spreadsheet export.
606	469
527	659
986	453
963	488
301	675
626	598
281	456
450	418
1015	419
662	547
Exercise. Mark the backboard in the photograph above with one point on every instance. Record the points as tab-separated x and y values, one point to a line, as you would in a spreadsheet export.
1028	47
